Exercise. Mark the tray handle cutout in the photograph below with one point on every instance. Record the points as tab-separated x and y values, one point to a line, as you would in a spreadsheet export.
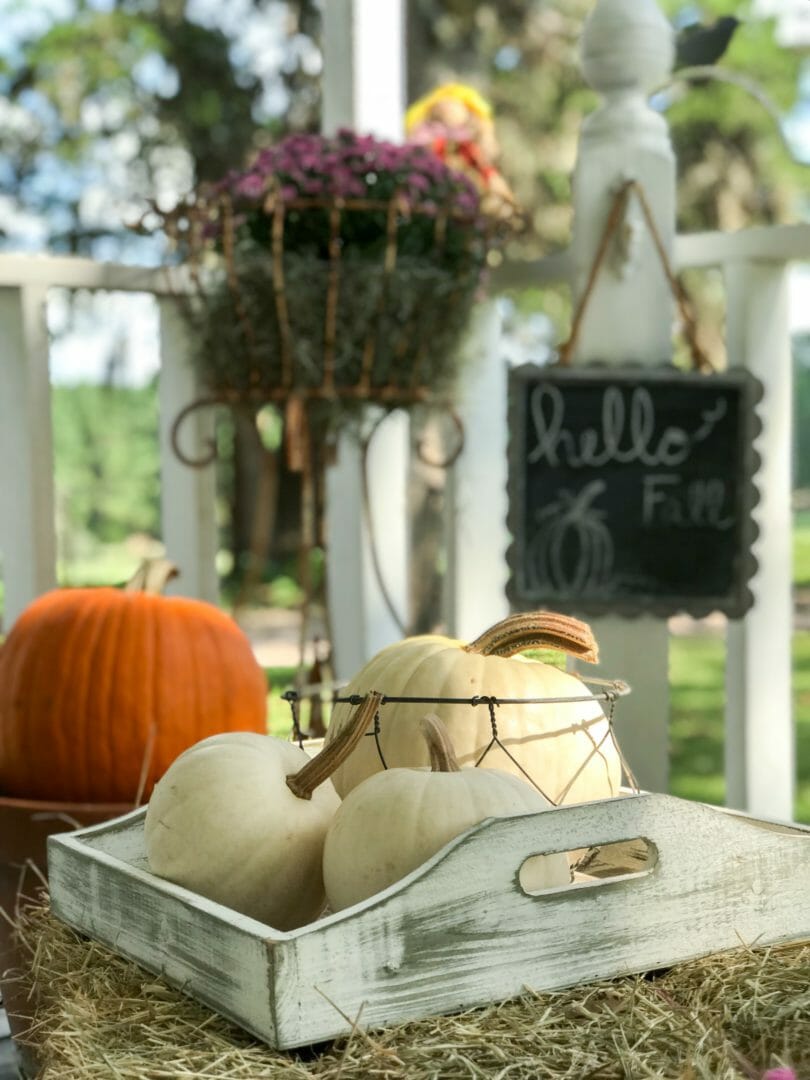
594	867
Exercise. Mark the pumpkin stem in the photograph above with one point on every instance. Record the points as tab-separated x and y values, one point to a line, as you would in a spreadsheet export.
442	754
152	577
531	629
321	767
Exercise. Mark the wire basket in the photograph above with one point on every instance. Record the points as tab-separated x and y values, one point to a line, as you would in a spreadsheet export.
339	302
605	691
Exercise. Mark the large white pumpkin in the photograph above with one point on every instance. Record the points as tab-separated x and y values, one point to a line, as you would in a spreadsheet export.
241	818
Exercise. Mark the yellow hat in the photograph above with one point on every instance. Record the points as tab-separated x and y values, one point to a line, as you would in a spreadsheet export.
467	95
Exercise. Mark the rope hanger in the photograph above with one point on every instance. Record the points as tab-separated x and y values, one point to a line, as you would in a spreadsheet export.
700	361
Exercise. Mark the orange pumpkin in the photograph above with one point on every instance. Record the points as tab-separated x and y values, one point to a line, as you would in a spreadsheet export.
102	688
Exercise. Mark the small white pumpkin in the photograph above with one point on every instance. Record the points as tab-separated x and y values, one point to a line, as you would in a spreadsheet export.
240	818
394	821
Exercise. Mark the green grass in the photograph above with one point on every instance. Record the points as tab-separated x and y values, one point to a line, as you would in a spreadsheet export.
801	549
697	674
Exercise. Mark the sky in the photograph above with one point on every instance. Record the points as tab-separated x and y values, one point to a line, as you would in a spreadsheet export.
129	323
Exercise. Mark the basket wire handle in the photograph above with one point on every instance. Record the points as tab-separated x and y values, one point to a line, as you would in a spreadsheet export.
279	288
700	361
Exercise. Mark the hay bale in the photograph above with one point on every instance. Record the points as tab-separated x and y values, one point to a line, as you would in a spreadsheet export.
727	1017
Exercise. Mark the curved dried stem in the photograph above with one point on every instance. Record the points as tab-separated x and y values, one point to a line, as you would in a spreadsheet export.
321	767
152	577
537	629
442	754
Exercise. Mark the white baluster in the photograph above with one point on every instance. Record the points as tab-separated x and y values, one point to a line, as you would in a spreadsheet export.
188	506
760	752
476	487
27	530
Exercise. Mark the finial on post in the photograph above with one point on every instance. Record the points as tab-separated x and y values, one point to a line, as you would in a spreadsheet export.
627	45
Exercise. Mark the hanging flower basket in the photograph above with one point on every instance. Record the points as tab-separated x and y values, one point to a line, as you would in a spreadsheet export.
338	269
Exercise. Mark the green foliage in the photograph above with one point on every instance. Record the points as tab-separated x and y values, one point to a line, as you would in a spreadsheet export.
106	461
801	415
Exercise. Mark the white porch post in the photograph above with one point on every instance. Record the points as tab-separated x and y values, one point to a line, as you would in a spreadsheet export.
364	88
188	507
27	529
476	485
627	49
760	752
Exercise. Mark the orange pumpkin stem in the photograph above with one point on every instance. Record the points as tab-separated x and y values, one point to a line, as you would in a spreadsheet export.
442	754
152	577
321	767
537	629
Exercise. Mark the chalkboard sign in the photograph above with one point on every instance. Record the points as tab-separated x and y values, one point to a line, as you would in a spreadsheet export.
631	490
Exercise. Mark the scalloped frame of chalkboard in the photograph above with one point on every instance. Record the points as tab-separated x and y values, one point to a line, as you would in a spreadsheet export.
621	479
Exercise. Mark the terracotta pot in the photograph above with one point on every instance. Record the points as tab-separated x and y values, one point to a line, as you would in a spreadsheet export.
25	826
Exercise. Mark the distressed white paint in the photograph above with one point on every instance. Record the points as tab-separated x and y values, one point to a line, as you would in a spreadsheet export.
476	489
187	495
27	528
364	89
459	931
760	737
627	47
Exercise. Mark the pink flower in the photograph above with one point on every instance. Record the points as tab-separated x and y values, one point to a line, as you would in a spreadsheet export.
781	1073
251	186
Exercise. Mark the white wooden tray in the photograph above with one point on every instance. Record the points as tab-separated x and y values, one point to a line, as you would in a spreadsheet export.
459	931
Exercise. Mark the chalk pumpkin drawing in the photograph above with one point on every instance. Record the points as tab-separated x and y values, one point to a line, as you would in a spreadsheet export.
572	548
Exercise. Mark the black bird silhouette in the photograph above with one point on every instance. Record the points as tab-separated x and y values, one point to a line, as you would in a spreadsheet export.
699	46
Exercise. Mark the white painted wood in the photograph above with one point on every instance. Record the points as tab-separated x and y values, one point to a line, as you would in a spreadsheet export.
760	737
764	243
27	527
72	272
364	66
154	922
627	48
459	931
364	89
476	485
188	495
362	622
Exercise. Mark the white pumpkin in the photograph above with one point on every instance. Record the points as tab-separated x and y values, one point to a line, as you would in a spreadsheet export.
394	821
240	818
